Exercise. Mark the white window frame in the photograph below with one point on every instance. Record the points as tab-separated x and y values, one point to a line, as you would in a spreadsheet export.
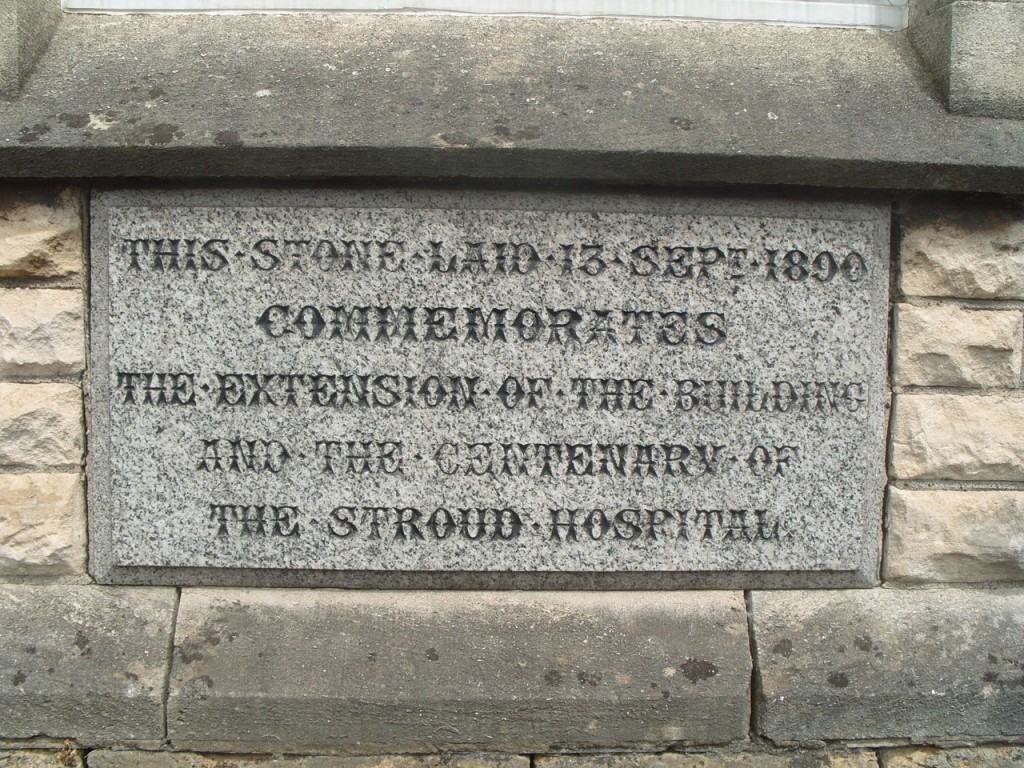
879	14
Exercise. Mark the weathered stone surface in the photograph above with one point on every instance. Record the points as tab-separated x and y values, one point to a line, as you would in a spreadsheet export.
366	672
975	757
40	234
102	758
886	663
42	333
971	251
515	386
952	347
25	29
86	663
958	437
803	759
42	524
955	536
40	424
529	98
68	757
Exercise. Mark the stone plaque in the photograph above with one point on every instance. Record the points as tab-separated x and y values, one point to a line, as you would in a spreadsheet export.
423	388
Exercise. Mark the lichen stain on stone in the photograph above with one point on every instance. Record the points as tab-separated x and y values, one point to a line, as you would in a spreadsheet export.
864	643
74	120
19	678
838	680
197	687
698	669
161	133
33	134
783	648
81	642
593	679
189	652
553	677
432	654
228	139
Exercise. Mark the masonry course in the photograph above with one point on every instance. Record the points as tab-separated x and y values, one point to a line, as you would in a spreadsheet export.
967	251
955	536
83	662
42	524
888	663
505	671
40	425
957	437
42	332
947	346
40	233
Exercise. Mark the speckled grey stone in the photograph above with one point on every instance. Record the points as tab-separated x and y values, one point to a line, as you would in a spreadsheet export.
251	424
423	672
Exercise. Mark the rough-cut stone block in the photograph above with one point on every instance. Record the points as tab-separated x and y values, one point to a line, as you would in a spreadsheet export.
40	425
42	333
802	759
973	757
42	524
886	663
968	251
40	234
952	347
958	437
86	663
955	536
102	758
68	757
328	671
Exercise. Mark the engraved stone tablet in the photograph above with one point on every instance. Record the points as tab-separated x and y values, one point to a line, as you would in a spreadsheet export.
425	388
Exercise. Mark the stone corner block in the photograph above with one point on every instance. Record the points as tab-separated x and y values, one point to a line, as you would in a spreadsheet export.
958	437
971	49
366	672
967	251
83	662
890	664
955	536
40	425
40	233
948	346
42	524
42	332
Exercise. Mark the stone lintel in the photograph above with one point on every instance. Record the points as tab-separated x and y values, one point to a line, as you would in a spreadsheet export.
620	101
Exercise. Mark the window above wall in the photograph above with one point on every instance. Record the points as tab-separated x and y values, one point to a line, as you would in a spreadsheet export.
880	14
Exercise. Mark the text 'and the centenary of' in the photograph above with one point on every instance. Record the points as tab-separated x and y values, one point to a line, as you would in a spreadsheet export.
421	387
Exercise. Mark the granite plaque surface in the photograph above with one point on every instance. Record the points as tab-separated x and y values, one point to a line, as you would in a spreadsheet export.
426	388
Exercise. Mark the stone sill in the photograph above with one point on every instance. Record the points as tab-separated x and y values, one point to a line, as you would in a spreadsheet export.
411	96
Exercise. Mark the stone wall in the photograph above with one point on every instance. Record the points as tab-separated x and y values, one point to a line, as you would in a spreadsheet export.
925	669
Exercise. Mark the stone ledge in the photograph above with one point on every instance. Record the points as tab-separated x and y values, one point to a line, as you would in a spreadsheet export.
331	671
633	101
890	664
86	663
102	758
